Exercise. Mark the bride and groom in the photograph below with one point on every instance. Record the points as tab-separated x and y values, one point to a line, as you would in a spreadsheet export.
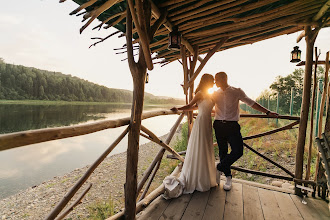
199	171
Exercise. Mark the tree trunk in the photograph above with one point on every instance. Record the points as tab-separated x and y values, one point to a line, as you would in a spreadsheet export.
133	144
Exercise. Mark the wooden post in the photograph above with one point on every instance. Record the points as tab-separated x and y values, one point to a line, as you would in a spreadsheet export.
291	101
183	52
324	96
310	39
311	122
138	71
191	88
318	105
277	107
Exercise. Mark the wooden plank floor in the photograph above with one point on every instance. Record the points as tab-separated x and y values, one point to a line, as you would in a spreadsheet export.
242	202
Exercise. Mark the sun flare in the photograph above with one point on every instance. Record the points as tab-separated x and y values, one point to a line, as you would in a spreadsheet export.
211	90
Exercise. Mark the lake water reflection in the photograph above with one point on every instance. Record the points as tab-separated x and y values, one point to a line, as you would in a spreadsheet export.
31	165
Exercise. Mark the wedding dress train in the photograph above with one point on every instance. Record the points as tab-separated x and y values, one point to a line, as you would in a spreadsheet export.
198	171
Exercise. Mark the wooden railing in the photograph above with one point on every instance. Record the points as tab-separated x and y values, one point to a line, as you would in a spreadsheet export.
13	140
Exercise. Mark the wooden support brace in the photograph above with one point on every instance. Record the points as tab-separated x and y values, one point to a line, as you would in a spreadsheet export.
208	56
269	160
75	203
147	200
185	70
83	6
83	179
169	26
319	15
168	148
143	36
262	173
96	12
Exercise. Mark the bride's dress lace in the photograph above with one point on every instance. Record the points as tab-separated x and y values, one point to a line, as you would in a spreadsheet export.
198	171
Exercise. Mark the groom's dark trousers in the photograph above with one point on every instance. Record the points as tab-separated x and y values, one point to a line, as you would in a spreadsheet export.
228	132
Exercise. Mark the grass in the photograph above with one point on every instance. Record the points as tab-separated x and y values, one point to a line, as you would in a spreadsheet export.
280	147
101	210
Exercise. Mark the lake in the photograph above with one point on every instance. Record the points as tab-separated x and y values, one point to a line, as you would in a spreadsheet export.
23	167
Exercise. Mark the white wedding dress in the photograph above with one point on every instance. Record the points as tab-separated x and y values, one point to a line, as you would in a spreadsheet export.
198	171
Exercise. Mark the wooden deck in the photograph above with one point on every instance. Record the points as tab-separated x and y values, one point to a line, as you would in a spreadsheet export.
242	202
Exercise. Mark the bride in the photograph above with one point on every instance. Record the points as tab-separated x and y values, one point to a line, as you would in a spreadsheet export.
198	171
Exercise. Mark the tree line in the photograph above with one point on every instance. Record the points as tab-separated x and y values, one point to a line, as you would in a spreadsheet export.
281	88
18	82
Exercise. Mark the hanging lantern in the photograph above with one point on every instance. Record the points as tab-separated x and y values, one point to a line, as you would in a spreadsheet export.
174	39
295	55
147	78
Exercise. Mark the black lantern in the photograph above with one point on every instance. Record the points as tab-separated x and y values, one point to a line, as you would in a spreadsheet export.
295	55
174	39
147	78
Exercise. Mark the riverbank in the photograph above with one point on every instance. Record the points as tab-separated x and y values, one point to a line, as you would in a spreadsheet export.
47	102
108	187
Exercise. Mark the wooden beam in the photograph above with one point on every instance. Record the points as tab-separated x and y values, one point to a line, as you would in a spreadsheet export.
269	160
147	200
83	179
288	178
18	139
185	70
303	63
155	138
75	203
319	15
322	11
208	56
301	36
290	9
83	6
311	118
96	12
169	26
160	154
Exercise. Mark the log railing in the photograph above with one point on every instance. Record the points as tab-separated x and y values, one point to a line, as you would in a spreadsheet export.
13	140
18	139
286	127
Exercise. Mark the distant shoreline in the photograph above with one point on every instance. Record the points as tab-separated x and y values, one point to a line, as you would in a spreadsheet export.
47	102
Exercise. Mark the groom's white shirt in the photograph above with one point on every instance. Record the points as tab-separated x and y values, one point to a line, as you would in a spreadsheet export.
227	103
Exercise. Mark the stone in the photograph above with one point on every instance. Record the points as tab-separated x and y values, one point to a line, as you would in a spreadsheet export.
3	217
277	183
286	185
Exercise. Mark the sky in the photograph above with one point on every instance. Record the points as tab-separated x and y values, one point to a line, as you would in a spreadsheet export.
42	34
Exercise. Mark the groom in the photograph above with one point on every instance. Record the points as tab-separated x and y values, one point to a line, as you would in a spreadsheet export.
227	129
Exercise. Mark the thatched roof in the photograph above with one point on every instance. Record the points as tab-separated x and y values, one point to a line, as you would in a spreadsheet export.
206	22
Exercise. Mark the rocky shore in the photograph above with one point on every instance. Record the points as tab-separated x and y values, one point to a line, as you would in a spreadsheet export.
108	185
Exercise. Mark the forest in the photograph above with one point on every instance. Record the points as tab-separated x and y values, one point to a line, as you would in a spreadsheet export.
18	82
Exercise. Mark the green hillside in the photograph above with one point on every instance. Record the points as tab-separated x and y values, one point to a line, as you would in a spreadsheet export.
19	83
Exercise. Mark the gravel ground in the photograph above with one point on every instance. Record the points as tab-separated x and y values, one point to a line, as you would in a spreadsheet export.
108	182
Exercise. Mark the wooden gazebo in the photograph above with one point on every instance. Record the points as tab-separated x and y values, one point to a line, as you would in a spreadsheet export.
206	27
